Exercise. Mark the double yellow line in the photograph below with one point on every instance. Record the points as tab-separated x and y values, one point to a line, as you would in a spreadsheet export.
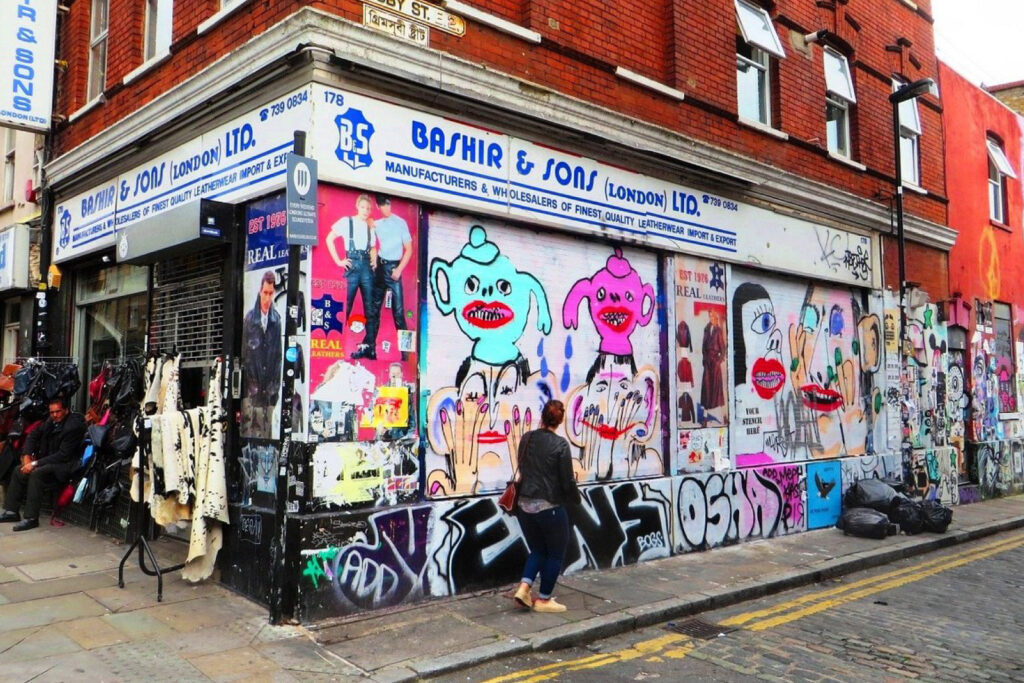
677	646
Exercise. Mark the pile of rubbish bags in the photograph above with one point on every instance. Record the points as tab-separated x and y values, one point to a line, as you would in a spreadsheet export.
874	508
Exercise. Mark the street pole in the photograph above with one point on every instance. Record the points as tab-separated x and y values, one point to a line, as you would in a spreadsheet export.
900	238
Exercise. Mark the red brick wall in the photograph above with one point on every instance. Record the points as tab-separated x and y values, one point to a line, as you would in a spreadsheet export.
926	266
686	45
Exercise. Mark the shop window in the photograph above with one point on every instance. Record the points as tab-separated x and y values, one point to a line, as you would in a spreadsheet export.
112	305
157	36
910	133
98	49
839	98
999	169
1003	352
12	324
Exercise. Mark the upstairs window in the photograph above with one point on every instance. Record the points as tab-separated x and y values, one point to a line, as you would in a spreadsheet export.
157	36
910	133
839	97
755	45
98	49
10	142
999	169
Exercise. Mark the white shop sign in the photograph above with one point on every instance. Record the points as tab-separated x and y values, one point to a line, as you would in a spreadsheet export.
14	242
375	145
240	159
27	34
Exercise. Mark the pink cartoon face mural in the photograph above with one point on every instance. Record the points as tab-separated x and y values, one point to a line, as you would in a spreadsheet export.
619	302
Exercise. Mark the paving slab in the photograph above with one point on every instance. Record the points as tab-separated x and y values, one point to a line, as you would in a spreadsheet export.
47	611
92	632
70	565
39	644
23	590
243	663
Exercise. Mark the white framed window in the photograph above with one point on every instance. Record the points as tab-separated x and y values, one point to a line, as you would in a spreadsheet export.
753	83
839	97
757	28
98	48
999	169
157	36
10	141
910	133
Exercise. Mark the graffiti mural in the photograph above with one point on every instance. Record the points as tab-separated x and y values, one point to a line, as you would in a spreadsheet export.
722	508
927	387
380	558
805	360
992	468
824	494
931	474
495	295
700	339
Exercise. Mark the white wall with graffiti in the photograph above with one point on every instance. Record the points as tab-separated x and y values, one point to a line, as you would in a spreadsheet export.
515	317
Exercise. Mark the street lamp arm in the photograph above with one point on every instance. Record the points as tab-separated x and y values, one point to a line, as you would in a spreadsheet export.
908	91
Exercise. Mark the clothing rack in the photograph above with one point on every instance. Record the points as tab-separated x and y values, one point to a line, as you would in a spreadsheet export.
143	521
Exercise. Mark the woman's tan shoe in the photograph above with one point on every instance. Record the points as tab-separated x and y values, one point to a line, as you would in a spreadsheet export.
549	605
523	596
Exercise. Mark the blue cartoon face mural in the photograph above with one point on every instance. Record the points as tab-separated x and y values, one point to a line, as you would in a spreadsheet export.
489	298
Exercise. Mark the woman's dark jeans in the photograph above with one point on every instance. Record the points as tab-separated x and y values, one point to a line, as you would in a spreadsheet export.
547	534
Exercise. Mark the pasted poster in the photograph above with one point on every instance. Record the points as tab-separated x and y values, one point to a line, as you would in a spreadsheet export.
701	347
805	356
362	473
264	286
517	317
824	494
364	318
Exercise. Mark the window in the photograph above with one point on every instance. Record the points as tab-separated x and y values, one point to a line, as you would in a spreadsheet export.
910	132
228	4
98	49
999	169
1002	349
157	37
757	42
838	98
9	147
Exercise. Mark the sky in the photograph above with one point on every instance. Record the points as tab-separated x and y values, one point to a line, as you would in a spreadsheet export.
981	39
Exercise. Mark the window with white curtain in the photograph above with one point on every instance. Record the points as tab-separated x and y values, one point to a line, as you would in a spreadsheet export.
99	22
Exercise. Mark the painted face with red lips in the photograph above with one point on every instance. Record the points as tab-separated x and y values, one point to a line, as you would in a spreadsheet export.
619	302
763	346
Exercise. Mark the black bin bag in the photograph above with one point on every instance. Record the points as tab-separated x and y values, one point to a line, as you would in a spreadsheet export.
937	517
864	522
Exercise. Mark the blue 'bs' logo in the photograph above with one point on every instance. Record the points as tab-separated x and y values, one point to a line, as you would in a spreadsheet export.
65	229
354	133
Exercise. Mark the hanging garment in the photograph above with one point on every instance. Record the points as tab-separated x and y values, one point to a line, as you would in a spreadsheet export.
686	411
683	336
685	371
151	389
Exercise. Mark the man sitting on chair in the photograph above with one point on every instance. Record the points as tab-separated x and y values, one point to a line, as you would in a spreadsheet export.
51	455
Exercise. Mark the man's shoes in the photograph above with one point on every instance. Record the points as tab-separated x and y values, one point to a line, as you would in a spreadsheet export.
25	525
9	516
365	351
523	596
548	605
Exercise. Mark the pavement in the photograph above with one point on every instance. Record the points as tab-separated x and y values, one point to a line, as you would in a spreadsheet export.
63	615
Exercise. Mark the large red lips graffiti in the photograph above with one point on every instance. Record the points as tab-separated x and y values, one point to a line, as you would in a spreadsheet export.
767	375
607	431
487	314
821	399
617	318
491	437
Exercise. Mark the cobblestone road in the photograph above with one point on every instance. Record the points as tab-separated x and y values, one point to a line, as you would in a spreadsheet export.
955	615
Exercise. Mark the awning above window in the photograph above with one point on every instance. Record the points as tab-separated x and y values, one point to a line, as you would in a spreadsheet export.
995	153
757	28
837	75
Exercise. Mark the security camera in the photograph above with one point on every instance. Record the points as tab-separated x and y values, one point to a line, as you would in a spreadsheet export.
815	37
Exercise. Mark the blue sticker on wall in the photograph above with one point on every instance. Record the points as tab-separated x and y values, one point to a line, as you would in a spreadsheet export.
824	494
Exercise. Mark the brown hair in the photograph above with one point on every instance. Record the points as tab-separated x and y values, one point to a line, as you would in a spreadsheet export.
552	414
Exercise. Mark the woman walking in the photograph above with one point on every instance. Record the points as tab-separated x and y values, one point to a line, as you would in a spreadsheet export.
546	485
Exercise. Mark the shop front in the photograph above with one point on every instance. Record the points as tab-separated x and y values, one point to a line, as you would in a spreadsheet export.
724	367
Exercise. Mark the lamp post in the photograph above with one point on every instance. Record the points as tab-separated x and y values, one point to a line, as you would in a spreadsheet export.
905	92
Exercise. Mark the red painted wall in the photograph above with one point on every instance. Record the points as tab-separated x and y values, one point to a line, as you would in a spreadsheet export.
986	262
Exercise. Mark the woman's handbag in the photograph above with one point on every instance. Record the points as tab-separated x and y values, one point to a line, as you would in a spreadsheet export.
507	500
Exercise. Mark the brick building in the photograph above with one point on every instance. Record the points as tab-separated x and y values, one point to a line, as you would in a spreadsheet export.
715	181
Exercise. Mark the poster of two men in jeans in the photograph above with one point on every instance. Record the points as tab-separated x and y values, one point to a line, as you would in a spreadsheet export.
363	331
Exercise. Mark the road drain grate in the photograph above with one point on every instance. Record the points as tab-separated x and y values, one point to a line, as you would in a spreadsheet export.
698	628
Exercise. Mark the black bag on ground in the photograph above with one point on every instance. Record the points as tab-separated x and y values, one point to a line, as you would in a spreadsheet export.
870	493
864	522
909	514
937	517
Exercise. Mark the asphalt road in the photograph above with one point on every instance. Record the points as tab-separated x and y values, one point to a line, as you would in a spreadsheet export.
953	615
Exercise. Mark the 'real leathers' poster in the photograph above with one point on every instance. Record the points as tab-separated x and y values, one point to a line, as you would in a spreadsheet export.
364	318
264	288
701	343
